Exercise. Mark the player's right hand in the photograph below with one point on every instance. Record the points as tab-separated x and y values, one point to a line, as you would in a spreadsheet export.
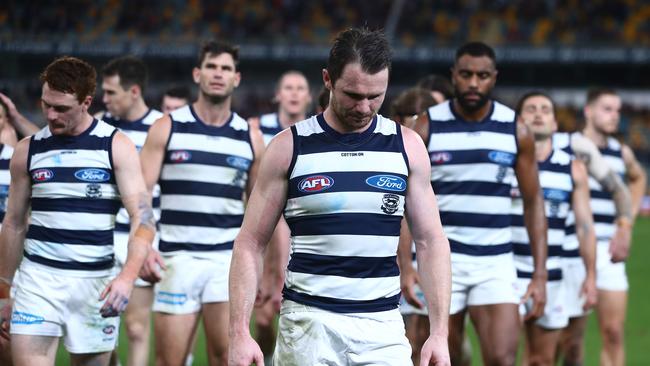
408	279
244	351
150	270
5	317
619	245
435	351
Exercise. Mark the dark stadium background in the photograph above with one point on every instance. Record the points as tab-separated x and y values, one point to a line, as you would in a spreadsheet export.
560	46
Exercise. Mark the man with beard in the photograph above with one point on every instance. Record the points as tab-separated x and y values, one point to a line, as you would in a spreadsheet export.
343	179
205	158
476	148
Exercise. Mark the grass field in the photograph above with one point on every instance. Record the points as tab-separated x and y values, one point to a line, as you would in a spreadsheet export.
637	330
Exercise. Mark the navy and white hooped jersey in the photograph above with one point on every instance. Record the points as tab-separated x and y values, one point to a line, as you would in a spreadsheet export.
202	182
556	182
562	141
270	126
602	205
137	132
74	200
5	178
344	206
472	169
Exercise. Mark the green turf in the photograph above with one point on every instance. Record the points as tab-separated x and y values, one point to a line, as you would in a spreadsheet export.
637	330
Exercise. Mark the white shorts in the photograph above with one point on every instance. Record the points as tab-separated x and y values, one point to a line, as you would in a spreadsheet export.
121	249
573	276
191	281
50	304
312	336
609	276
490	281
555	316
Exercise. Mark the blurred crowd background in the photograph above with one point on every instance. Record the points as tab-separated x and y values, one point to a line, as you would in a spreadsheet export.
560	46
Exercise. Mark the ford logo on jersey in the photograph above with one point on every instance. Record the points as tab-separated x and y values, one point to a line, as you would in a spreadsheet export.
501	157
180	156
42	175
92	175
239	163
556	195
315	183
387	182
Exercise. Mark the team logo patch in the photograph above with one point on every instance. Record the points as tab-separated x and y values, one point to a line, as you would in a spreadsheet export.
387	182
440	157
390	203
109	329
180	156
42	175
92	175
501	157
239	163
315	183
93	190
19	317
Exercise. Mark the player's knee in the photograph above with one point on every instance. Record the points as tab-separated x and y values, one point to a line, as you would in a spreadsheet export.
501	357
613	335
573	352
541	360
136	331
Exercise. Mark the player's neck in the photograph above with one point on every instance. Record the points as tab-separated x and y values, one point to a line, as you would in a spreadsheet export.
82	126
473	116
287	120
212	114
136	112
543	148
340	127
598	138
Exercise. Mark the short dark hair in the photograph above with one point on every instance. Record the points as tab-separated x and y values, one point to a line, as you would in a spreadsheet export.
216	48
130	69
287	73
534	93
411	101
476	49
439	83
594	93
5	107
179	91
72	76
368	48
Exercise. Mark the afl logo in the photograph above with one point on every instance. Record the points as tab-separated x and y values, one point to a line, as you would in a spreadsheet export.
315	183
42	175
180	156
109	329
440	157
92	175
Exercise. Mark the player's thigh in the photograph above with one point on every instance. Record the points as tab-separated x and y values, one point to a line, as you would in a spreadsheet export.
611	309
215	323
497	327
90	359
33	350
173	335
542	342
139	309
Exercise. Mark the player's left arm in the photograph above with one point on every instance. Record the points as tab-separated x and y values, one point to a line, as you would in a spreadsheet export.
636	178
257	142
580	202
534	217
432	246
128	174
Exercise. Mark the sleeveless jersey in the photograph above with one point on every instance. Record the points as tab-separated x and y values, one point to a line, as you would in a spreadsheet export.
571	247
203	178
74	200
472	169
137	132
5	178
602	204
557	186
270	126
345	203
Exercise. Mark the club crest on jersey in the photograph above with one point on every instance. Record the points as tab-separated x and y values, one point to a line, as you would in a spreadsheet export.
42	175
315	183
238	162
387	182
93	190
180	156
440	157
92	175
501	157
390	203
